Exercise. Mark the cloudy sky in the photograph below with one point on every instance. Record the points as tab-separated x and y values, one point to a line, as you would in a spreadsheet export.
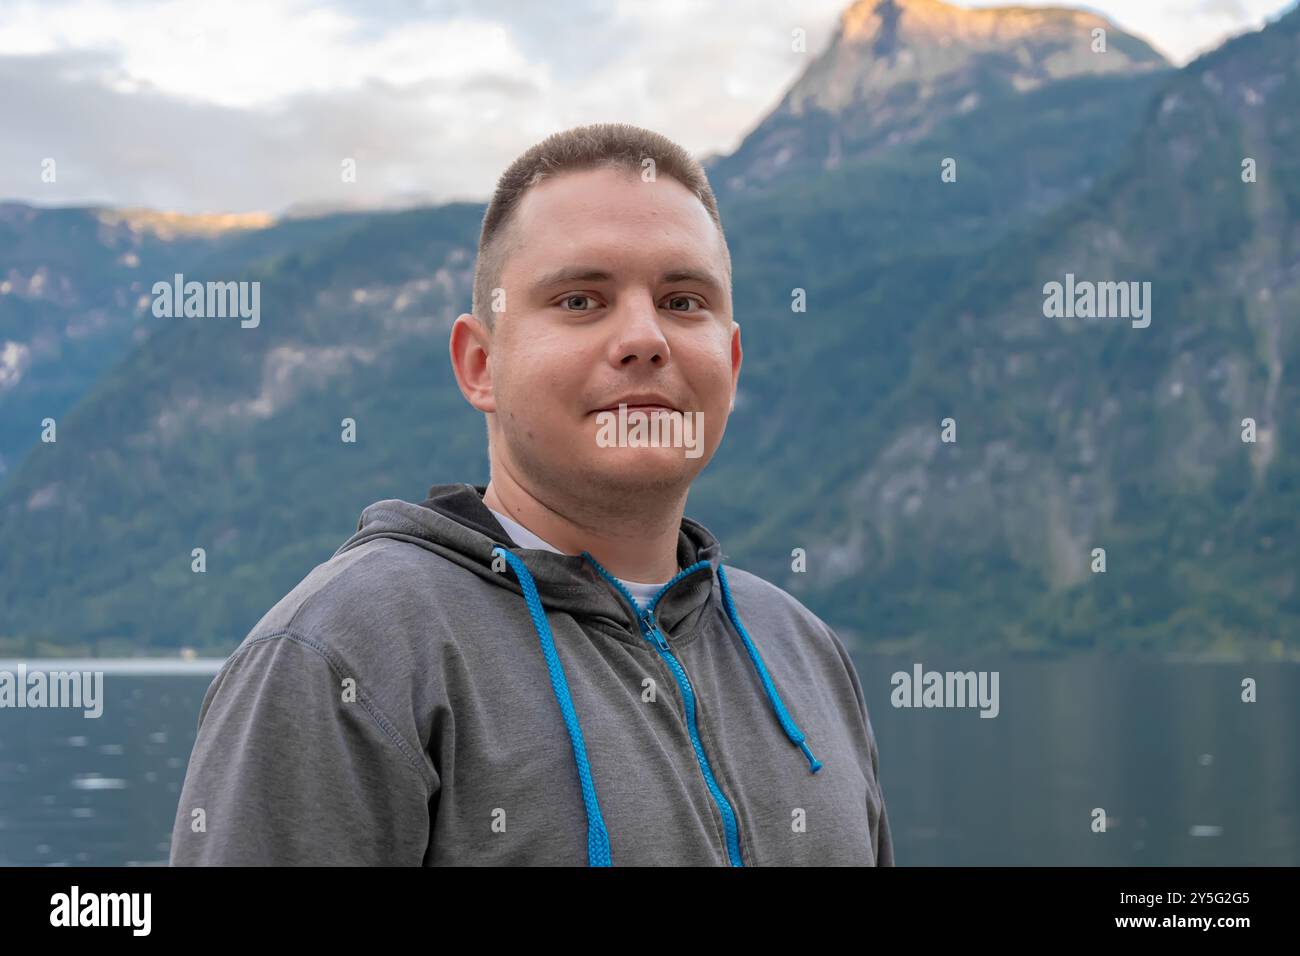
234	106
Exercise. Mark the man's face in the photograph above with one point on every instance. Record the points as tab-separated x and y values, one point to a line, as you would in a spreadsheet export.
616	289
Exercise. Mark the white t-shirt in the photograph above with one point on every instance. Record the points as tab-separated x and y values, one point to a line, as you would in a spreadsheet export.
526	539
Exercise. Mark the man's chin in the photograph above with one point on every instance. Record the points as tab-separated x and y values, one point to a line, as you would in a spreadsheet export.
641	468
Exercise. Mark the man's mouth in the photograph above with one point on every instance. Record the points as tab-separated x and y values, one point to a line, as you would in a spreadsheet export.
647	404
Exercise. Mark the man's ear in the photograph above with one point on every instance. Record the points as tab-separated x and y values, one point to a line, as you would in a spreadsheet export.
737	356
470	346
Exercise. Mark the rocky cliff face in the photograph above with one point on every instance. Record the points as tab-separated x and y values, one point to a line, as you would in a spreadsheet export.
1088	431
896	68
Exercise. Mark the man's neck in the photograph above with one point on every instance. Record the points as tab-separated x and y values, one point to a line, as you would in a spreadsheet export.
639	545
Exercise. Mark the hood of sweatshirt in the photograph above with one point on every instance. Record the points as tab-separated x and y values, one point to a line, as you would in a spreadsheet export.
454	522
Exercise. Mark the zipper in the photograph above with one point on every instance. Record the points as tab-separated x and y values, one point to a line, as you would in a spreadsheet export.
731	829
649	629
645	618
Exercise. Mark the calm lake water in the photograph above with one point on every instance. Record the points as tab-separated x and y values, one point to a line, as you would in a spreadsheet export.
1187	773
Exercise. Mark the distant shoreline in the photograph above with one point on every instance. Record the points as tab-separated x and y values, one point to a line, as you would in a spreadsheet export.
135	666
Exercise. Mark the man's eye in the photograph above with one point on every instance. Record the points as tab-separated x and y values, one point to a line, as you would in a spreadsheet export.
570	298
683	298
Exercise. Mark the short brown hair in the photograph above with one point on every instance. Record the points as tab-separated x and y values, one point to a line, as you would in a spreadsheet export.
616	145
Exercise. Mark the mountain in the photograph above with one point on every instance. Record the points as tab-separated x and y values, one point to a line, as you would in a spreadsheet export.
214	435
72	283
924	301
1081	433
895	69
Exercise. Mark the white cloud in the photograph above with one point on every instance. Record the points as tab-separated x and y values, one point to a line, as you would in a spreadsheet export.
255	54
236	106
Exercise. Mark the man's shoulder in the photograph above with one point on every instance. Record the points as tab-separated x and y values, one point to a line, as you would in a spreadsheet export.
758	599
337	638
362	602
794	640
750	590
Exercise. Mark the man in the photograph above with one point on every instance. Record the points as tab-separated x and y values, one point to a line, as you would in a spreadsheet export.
554	669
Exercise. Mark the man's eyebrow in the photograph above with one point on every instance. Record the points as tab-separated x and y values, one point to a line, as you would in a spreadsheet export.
692	275
591	274
572	274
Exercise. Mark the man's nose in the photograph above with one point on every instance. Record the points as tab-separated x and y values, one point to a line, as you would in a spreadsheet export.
638	334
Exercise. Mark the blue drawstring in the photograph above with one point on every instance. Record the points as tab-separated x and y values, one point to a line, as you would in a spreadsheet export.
597	836
782	715
598	853
787	724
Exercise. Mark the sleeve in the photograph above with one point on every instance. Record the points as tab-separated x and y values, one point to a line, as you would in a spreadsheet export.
884	839
289	768
877	814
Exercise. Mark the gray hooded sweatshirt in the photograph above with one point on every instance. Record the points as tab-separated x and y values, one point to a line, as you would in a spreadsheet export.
436	695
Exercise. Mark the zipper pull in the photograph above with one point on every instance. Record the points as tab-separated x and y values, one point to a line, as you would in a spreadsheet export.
652	631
